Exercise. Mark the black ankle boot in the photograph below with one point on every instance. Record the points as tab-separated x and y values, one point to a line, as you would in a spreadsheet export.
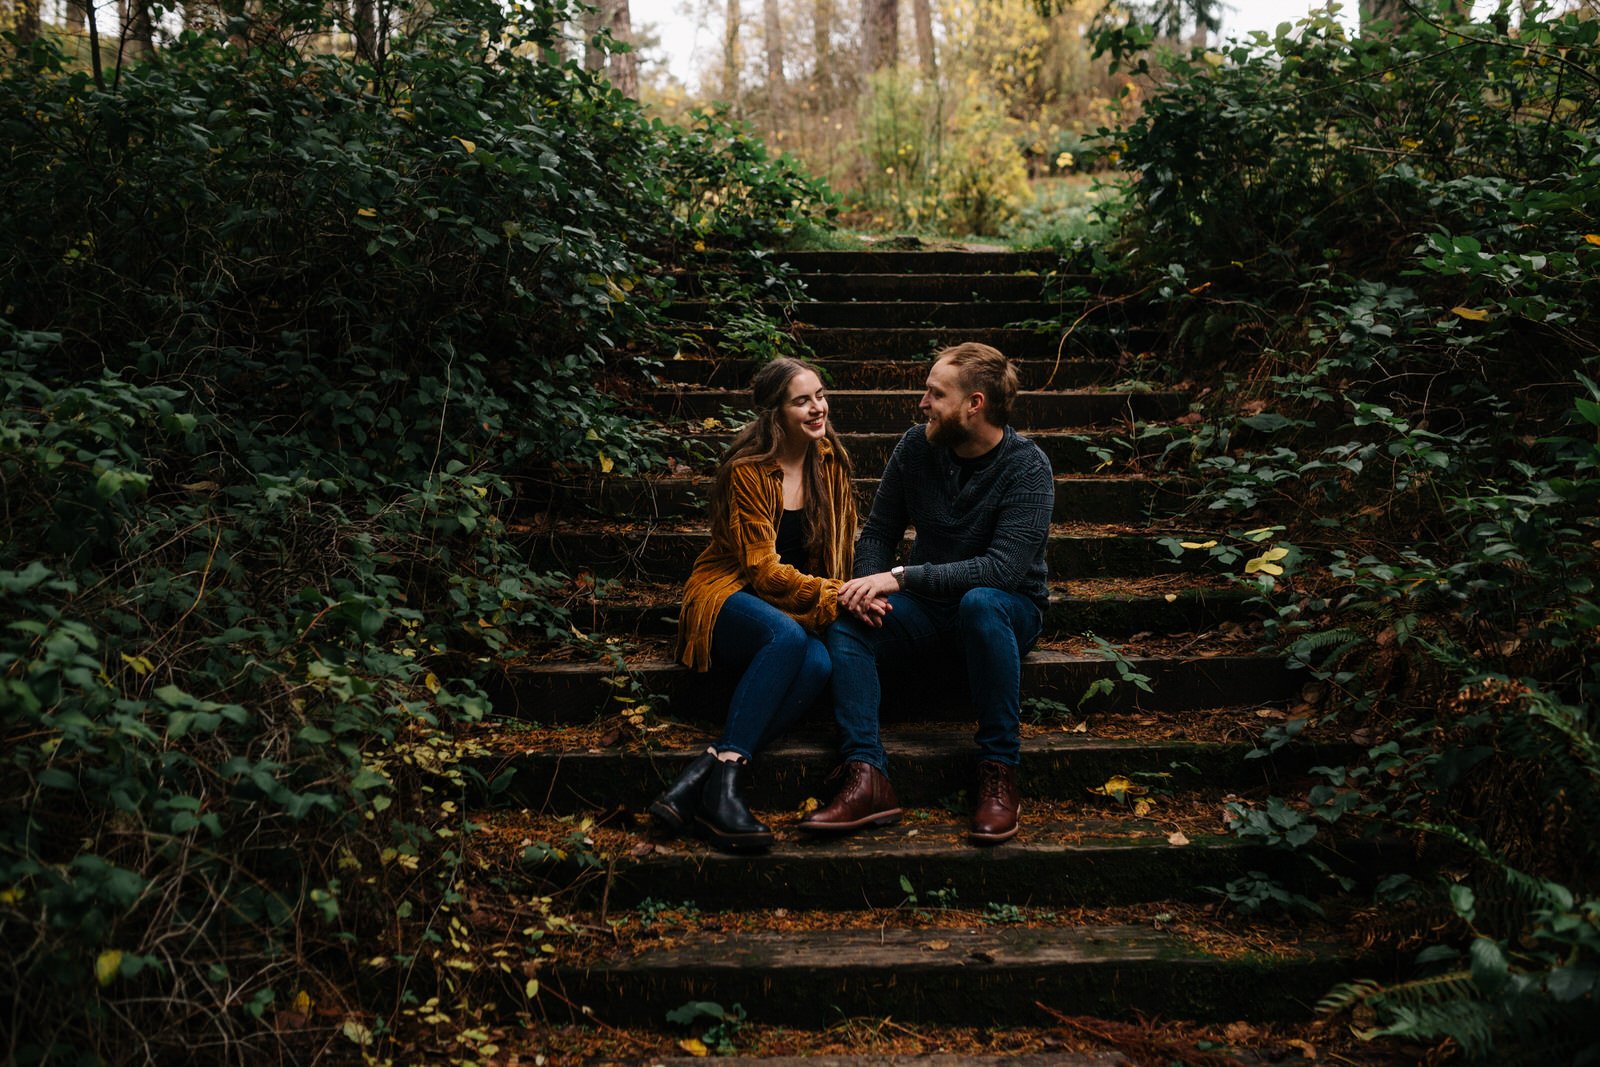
676	807
724	818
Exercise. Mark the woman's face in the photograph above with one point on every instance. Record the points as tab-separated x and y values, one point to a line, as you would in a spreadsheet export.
805	408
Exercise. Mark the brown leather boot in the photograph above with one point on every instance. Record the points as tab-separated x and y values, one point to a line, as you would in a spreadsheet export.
865	799
994	818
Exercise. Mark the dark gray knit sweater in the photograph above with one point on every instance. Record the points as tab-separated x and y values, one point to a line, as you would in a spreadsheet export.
990	533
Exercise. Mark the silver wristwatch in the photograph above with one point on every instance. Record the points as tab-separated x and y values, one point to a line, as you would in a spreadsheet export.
899	575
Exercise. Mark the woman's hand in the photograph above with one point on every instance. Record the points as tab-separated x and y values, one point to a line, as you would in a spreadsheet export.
867	598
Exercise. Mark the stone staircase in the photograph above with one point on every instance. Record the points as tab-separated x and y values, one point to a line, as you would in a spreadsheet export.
1107	902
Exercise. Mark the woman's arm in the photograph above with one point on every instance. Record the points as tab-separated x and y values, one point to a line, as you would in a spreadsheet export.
754	498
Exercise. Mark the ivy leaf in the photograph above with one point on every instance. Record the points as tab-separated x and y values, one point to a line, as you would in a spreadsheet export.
106	965
606	463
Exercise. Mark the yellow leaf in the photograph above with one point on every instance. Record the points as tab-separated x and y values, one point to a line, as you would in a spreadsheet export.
1273	555
591	436
1143	806
302	1003
431	680
107	964
936	946
1261	565
1592	238
368	212
1471	314
1260	534
1197	544
1216	59
468	145
1119	788
140	665
1177	838
809	805
1307	1049
606	463
532	988
1170	598
1082	727
694	1046
700	246
13	895
711	424
355	1031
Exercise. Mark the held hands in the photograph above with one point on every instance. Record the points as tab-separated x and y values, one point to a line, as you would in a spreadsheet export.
867	598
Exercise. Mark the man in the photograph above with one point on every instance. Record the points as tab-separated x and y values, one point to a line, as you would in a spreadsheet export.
980	497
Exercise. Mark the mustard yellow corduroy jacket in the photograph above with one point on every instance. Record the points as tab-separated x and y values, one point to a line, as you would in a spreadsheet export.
746	556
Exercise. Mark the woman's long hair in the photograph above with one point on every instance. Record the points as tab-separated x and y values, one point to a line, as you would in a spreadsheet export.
828	520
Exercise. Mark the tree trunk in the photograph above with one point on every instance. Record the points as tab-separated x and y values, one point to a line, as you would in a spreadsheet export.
77	16
624	65
364	28
777	91
880	32
822	48
594	57
730	54
138	30
26	14
922	12
1390	11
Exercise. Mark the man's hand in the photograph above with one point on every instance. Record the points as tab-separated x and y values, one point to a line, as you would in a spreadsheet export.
874	611
857	593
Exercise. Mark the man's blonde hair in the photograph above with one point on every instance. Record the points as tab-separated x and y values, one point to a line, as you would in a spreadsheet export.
985	370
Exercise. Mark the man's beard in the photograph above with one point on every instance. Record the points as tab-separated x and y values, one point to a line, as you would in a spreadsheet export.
947	434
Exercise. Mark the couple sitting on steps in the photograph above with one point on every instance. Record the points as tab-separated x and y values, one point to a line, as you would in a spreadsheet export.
776	599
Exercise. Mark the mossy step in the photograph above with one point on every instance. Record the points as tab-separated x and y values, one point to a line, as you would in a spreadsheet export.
989	976
1128	499
542	772
871	1059
918	262
963	315
1078	863
884	409
866	373
669	554
574	692
1083	450
826	342
935	287
1180	610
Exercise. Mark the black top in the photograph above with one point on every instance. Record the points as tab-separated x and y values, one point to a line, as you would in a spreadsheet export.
966	468
792	540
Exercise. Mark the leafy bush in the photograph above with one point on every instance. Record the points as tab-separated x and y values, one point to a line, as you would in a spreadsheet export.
277	330
1378	251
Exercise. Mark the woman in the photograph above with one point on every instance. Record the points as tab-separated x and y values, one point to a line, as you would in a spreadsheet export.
783	525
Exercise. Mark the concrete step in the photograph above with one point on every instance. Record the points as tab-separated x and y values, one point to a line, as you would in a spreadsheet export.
979	976
945	288
921	263
1084	450
886	410
886	313
1182	609
889	373
566	691
545	771
667	553
1102	862
888	342
1130	500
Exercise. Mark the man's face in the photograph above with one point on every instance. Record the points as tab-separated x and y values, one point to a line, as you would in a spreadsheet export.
947	406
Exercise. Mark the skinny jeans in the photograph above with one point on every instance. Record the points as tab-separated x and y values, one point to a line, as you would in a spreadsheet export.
781	668
988	629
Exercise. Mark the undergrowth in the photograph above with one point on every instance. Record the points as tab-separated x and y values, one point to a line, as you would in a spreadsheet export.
276	329
1380	255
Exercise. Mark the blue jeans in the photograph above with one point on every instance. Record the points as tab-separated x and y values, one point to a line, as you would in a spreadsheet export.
989	629
782	670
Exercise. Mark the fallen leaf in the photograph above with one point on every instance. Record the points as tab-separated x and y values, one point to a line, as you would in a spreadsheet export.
1592	238
1238	1033
1119	788
367	212
1307	1049
1177	838
431	681
936	946
1471	314
531	990
606	463
1143	806
302	1002
694	1046
1082	727
1197	544
468	145
1170	598
809	805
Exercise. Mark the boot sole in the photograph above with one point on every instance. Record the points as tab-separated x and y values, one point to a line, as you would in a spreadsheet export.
880	818
758	842
668	816
992	839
